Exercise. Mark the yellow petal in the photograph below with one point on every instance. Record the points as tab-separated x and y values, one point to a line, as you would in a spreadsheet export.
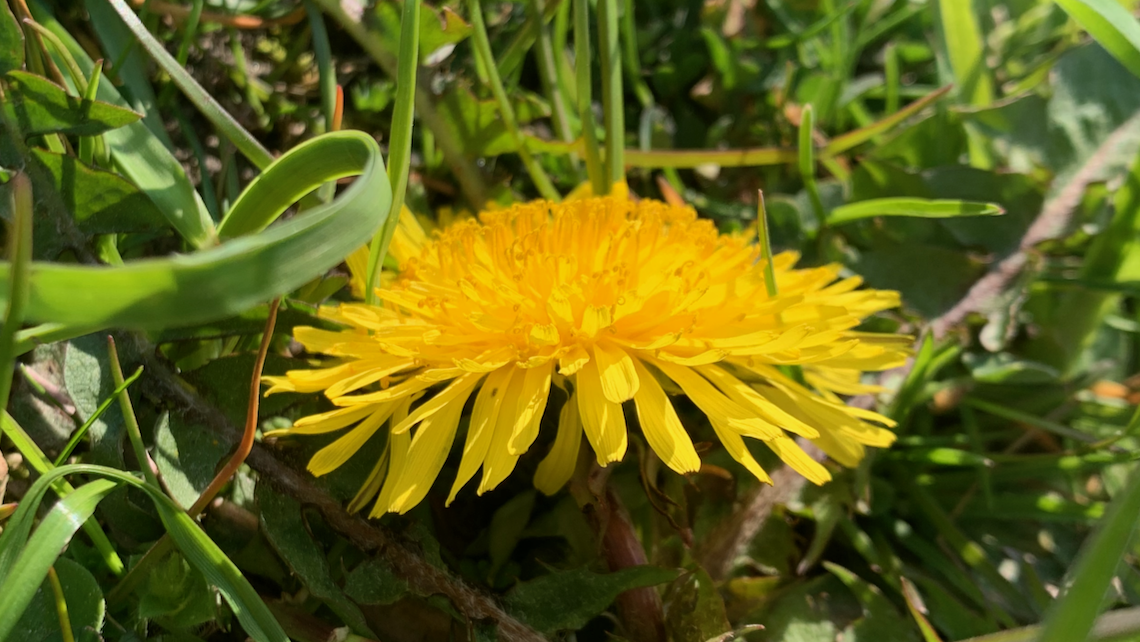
327	421
558	466
426	455
456	392
661	425
398	457
748	397
364	378
602	419
792	455
333	455
569	363
735	446
482	426
398	391
500	461
372	482
716	405
619	379
530	407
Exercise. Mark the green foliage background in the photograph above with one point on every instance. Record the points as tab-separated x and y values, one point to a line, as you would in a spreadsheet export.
980	156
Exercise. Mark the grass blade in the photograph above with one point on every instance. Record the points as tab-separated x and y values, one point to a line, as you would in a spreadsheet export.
1110	24
917	207
227	280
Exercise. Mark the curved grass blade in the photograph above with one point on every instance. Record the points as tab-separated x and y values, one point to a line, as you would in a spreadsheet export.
196	547
227	280
1110	24
916	207
43	548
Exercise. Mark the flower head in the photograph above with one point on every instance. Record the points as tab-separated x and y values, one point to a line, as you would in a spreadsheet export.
615	302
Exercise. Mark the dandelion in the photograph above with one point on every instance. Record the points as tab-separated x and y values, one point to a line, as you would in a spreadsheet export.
618	303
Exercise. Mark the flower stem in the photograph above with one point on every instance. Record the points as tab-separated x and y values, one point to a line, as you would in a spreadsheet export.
765	241
807	164
483	51
612	96
594	166
400	147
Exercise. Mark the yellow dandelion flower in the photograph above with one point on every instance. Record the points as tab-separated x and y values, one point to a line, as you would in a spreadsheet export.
616	302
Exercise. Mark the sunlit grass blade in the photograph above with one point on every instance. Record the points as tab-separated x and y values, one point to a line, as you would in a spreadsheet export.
851	139
807	164
20	254
916	207
400	148
1110	24
198	549
41	550
594	166
226	124
227	280
613	95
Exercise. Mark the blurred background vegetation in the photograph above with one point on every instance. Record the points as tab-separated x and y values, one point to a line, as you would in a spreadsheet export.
1016	428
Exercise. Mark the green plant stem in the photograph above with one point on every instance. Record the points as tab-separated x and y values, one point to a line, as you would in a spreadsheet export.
226	124
20	256
594	168
631	58
764	240
548	75
891	69
466	173
129	419
78	435
68	61
483	50
65	631
613	103
807	165
323	53
400	147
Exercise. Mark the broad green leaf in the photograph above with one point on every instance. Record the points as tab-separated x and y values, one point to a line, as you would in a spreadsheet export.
507	526
202	553
285	527
11	41
880	621
917	207
85	607
440	30
1111	25
567	600
964	44
187	455
101	202
694	610
1005	368
39	106
227	280
19	582
140	156
373	582
177	593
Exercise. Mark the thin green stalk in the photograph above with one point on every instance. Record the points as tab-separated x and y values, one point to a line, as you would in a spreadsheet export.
87	144
594	168
20	257
226	124
323	52
631	58
129	419
561	62
891	69
765	241
548	75
78	435
400	146
613	103
807	164
483	50
466	173
72	67
65	631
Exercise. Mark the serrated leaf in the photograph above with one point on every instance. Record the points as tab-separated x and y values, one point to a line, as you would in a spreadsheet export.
694	610
101	202
285	527
187	455
373	582
567	600
39	106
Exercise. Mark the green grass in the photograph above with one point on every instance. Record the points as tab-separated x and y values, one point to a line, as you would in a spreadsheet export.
980	157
